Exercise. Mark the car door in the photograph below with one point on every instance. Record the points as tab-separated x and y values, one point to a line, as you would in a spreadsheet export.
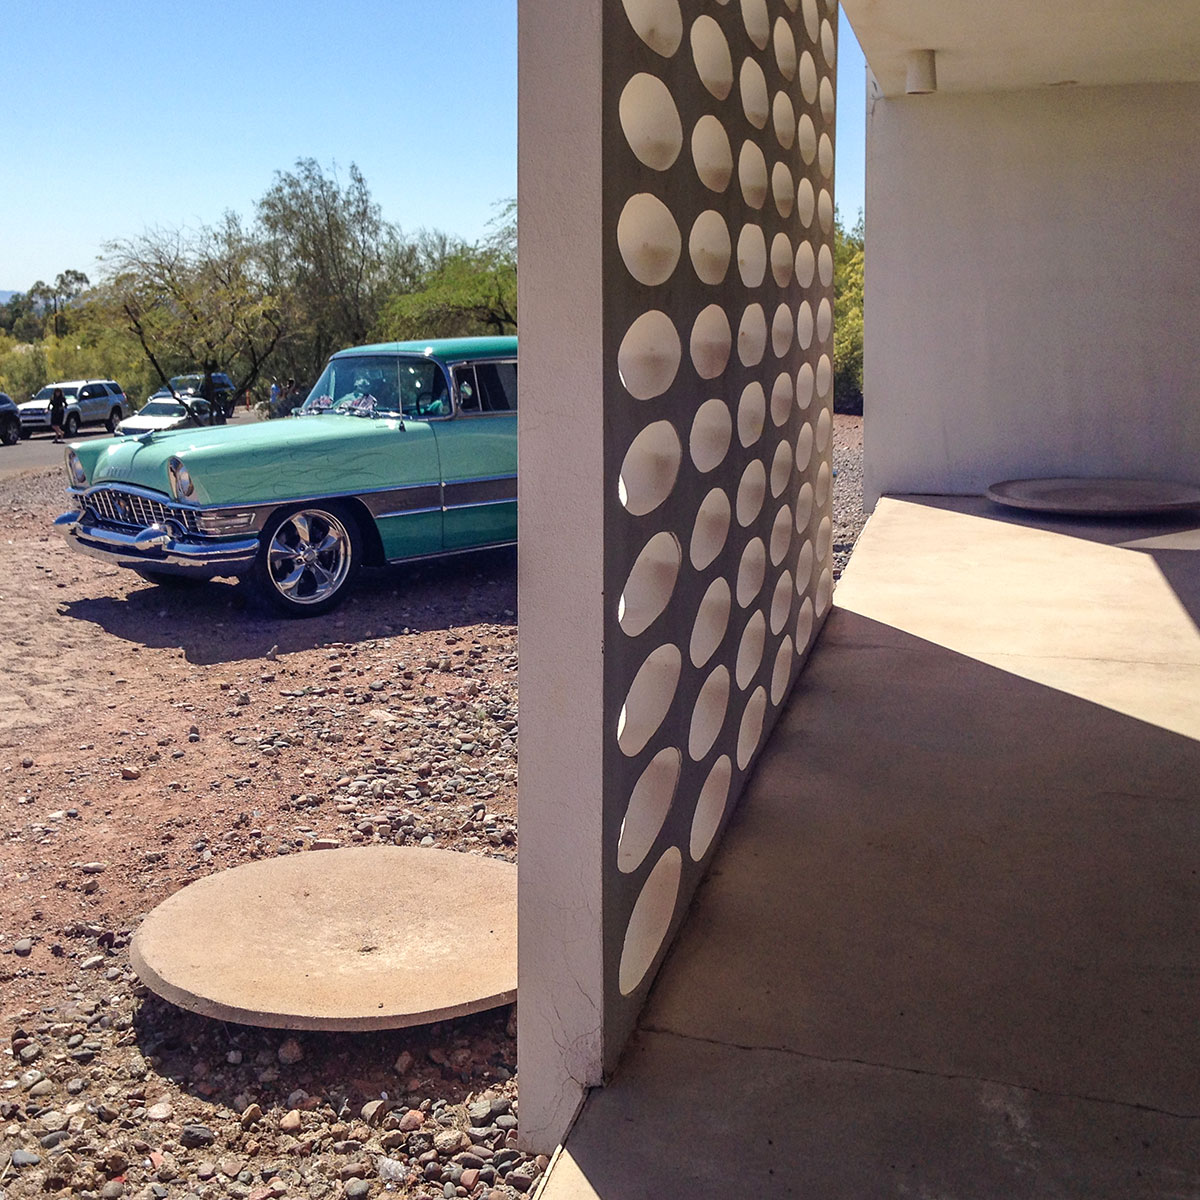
478	449
91	396
382	450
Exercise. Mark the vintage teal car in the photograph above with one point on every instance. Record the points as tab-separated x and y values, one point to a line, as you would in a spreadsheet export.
403	450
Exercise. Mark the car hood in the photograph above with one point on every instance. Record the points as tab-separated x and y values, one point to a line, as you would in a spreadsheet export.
264	461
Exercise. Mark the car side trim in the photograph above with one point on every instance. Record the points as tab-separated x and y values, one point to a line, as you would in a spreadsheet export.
393	502
470	493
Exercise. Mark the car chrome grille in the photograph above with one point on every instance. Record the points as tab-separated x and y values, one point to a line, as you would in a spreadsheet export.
133	510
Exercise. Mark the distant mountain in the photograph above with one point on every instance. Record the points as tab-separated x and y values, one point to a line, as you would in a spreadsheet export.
5	297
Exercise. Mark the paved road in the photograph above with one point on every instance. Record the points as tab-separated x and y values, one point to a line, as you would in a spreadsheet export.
39	452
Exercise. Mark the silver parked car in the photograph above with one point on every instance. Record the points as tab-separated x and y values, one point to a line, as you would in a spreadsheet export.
89	402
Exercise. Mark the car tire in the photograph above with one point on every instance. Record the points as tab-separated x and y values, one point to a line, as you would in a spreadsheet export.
308	558
10	431
114	419
71	424
26	433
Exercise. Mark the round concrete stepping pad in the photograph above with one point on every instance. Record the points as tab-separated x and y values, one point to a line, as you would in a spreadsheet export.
1095	497
371	937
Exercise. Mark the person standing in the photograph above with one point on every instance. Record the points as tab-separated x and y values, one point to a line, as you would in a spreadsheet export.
275	395
58	413
208	393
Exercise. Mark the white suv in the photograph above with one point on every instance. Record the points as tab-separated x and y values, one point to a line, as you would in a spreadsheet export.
89	402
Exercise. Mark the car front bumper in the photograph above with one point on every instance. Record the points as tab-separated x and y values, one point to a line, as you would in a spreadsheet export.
166	548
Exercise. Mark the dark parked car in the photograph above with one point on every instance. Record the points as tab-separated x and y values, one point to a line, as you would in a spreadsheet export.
10	421
224	393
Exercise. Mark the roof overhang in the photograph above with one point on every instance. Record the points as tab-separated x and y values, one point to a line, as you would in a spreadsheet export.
996	45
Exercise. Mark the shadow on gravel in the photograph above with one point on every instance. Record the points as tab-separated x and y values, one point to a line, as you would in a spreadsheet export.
221	621
231	1065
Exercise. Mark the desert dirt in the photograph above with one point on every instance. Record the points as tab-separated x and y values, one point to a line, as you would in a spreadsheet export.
150	736
149	714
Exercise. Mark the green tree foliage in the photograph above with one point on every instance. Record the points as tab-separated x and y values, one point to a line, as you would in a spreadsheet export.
21	318
31	315
333	260
193	300
22	367
318	269
466	290
88	349
848	247
32	353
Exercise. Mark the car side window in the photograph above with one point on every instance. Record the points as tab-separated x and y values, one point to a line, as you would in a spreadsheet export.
467	388
88	392
498	383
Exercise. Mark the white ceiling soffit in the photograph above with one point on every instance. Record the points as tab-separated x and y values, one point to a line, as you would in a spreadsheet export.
992	45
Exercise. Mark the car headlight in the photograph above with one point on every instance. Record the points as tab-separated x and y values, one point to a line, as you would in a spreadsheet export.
75	469
181	480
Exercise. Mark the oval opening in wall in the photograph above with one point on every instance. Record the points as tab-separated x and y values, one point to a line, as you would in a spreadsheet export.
650	921
650	468
649	355
711	528
648	699
648	807
650	585
712	430
650	121
648	239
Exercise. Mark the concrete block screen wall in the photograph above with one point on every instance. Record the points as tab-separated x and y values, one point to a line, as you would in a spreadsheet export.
676	208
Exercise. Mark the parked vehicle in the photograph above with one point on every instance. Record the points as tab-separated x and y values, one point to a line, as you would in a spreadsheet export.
89	402
409	451
10	421
163	412
224	395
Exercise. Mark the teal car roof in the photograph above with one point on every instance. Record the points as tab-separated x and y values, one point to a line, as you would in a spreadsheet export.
443	349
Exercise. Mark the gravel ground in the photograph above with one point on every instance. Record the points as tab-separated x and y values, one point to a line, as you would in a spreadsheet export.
202	735
848	518
149	737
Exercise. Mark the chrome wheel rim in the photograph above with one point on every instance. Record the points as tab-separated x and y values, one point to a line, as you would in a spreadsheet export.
308	558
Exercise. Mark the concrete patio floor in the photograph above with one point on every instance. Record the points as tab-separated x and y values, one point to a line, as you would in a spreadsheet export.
950	946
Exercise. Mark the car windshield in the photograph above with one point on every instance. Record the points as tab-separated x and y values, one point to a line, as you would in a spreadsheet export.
187	383
48	392
380	385
163	408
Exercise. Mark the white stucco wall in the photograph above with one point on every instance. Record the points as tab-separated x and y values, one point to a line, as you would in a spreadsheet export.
1032	287
561	492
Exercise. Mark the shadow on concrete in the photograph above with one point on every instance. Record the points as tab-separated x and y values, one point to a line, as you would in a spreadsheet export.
221	621
948	947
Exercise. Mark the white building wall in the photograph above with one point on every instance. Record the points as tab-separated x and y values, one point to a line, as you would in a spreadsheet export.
1032	287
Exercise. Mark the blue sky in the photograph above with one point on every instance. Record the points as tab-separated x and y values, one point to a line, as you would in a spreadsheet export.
126	115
